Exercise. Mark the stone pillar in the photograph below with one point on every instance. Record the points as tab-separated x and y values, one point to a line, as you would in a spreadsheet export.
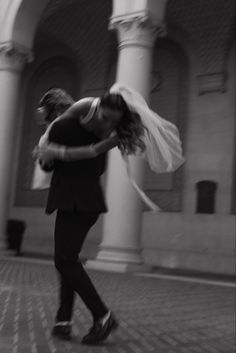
120	248
12	59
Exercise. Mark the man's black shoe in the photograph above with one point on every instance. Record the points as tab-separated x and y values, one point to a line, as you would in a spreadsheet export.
100	330
62	332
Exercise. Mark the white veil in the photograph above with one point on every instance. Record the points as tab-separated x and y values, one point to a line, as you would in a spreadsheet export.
163	146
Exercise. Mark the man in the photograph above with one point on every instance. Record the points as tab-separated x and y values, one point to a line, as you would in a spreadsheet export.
76	194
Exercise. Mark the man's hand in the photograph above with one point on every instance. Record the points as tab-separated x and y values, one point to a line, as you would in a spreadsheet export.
47	167
49	152
45	153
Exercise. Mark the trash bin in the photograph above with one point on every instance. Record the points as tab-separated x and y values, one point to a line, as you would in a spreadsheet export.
14	235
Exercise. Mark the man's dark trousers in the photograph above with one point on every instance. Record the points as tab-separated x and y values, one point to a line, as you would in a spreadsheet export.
70	232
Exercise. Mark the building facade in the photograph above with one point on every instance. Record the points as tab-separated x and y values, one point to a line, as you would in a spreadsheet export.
180	55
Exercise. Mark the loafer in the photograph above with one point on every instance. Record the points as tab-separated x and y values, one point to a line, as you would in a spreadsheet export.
100	331
62	332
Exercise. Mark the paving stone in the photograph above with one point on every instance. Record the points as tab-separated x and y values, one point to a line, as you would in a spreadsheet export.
156	315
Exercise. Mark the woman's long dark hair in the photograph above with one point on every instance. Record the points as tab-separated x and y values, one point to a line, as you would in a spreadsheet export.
130	130
55	101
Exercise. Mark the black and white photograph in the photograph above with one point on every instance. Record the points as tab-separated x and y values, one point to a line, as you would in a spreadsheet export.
117	176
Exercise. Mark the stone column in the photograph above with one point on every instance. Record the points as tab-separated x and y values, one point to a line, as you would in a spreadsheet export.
12	59
120	248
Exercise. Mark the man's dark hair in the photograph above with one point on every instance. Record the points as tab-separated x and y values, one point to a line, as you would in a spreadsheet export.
55	101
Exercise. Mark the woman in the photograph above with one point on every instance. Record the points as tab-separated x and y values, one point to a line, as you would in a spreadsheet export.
94	114
140	131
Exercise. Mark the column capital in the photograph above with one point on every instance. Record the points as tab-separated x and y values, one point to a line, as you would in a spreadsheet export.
13	56
137	29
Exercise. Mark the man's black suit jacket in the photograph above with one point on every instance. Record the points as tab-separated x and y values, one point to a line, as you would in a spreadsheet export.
75	186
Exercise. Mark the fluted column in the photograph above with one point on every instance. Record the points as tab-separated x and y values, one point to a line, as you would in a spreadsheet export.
12	59
120	247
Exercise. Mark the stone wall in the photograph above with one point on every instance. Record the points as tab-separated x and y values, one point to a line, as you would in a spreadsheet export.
203	243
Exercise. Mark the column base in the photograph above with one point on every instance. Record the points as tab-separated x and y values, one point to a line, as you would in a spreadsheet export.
118	260
110	266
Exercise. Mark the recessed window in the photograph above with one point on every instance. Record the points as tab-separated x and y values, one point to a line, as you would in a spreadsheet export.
206	191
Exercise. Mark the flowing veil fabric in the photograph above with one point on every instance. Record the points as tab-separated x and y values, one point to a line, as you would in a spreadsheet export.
163	145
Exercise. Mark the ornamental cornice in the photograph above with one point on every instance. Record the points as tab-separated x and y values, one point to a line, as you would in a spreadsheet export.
137	29
14	56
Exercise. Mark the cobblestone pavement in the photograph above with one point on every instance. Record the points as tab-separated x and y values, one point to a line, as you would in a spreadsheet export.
156	315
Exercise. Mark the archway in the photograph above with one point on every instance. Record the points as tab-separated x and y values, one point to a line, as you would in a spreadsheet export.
22	18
